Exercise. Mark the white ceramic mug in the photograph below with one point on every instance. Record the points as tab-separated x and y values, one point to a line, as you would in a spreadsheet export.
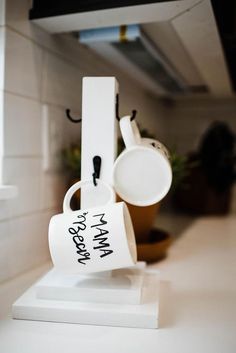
92	240
142	173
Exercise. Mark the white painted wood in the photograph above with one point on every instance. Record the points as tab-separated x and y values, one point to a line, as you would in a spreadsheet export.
198	32
99	135
8	192
166	39
113	17
109	52
145	315
189	39
123	287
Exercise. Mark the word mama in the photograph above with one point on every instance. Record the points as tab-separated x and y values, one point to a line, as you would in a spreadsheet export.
100	237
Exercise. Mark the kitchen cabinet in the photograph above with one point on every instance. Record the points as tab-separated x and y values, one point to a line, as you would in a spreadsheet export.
191	36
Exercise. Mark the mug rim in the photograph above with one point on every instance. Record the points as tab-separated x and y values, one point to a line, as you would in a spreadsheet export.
76	186
130	242
150	201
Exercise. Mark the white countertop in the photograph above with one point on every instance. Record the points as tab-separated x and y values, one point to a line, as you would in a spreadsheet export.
197	304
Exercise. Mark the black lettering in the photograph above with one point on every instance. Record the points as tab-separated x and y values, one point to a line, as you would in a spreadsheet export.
81	223
102	243
106	252
102	222
101	232
85	258
79	239
80	247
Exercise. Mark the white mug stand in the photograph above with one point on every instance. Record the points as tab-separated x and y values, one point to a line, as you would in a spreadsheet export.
125	297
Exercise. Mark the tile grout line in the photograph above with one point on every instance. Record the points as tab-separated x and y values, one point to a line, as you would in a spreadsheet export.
23	156
53	105
25	215
46	48
187	10
105	64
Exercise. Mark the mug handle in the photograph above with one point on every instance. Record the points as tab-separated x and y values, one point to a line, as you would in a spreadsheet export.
129	131
70	192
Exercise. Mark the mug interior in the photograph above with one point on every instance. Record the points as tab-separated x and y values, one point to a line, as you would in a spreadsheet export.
142	175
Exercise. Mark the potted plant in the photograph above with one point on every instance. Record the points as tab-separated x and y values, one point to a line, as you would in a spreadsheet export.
211	171
71	165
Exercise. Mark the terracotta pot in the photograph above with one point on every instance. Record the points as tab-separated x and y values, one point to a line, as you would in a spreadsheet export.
156	248
143	219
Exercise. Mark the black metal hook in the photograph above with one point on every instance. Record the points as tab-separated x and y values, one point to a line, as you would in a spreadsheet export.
134	112
97	161
72	119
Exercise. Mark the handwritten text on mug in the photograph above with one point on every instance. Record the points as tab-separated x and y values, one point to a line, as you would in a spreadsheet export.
100	239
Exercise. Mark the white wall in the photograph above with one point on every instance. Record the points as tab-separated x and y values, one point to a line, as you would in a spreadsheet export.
188	119
43	69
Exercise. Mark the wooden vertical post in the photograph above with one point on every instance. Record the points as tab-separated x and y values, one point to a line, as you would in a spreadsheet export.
99	134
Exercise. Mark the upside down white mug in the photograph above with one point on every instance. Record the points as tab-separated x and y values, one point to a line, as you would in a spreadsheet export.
92	240
142	173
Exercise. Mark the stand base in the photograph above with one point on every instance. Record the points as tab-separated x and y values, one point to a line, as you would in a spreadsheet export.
33	304
122	287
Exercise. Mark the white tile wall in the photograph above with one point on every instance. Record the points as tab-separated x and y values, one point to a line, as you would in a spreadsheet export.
2	56
25	173
23	243
2	66
5	244
17	19
43	69
5	211
2	12
1	130
188	120
22	128
64	89
149	112
52	190
58	132
63	45
23	71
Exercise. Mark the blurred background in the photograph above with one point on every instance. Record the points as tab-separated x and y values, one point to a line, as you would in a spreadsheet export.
175	65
